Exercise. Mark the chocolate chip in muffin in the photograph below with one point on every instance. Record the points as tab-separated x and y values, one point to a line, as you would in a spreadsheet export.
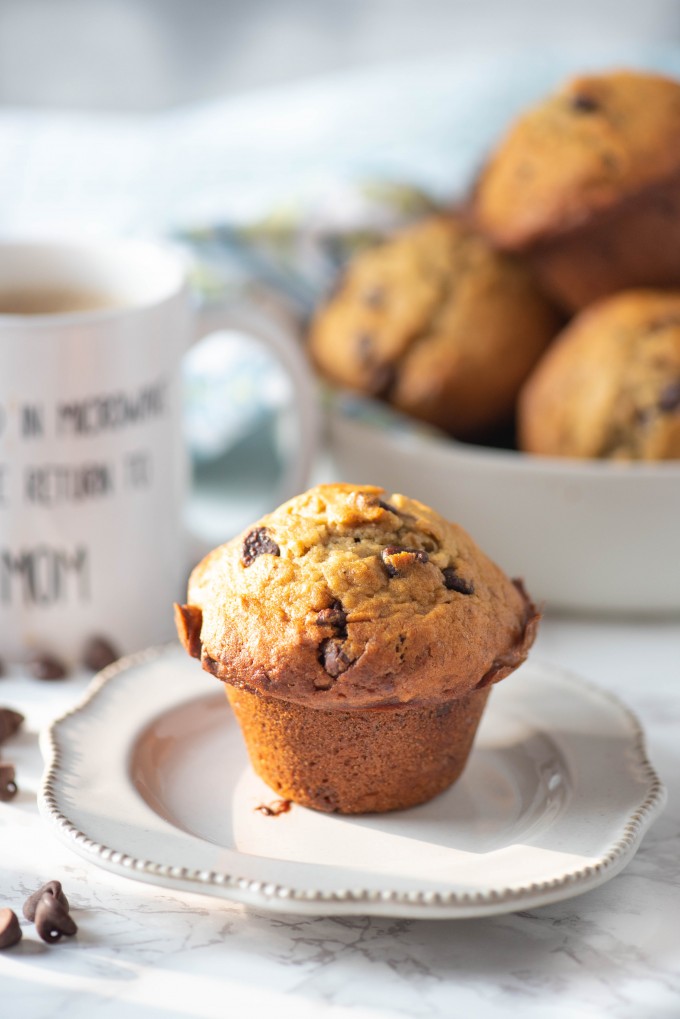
662	322
8	786
381	375
398	558
10	722
374	297
334	660
334	616
454	582
669	400
50	888
257	543
10	931
584	103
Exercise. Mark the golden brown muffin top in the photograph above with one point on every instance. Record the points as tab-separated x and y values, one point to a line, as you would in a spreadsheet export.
610	385
600	139
438	323
347	597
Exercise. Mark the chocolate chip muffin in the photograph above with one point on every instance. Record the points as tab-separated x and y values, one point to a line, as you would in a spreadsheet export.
357	635
610	385
587	185
438	324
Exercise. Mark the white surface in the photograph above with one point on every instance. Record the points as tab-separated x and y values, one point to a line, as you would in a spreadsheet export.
554	801
147	951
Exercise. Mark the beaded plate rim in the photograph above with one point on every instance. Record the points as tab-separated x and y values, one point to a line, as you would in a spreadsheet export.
384	902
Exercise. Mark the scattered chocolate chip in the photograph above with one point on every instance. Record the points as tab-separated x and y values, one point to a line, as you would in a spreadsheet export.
8	786
333	658
669	400
10	722
98	653
396	557
47	667
258	543
51	888
452	582
188	621
334	616
274	809
52	920
10	931
583	103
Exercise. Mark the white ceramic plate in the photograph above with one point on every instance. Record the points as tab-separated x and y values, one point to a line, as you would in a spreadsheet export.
148	777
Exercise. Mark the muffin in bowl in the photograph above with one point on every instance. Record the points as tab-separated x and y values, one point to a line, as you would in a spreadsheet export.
609	388
587	185
436	323
358	635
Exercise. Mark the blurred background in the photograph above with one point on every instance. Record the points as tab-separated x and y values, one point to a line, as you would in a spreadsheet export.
142	55
264	134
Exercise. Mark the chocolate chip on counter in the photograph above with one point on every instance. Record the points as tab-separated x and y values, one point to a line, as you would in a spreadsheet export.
47	667
51	888
258	543
333	658
52	920
98	653
8	786
10	931
189	620
334	616
10	722
453	582
396	557
584	103
669	400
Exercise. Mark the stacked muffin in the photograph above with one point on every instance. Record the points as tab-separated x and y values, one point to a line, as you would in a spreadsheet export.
451	321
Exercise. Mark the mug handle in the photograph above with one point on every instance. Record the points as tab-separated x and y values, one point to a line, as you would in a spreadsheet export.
246	318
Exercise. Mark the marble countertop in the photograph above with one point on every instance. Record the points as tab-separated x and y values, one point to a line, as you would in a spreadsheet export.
144	951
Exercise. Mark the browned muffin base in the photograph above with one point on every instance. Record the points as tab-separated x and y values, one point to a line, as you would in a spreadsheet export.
357	762
632	245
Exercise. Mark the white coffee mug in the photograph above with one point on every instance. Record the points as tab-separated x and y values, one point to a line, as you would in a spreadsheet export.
93	470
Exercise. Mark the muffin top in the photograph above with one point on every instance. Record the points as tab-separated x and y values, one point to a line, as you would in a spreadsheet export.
437	323
348	597
610	385
600	139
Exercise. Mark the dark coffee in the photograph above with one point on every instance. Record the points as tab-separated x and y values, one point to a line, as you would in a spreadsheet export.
52	301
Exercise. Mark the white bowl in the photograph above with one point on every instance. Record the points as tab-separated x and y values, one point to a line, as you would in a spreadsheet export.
585	535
